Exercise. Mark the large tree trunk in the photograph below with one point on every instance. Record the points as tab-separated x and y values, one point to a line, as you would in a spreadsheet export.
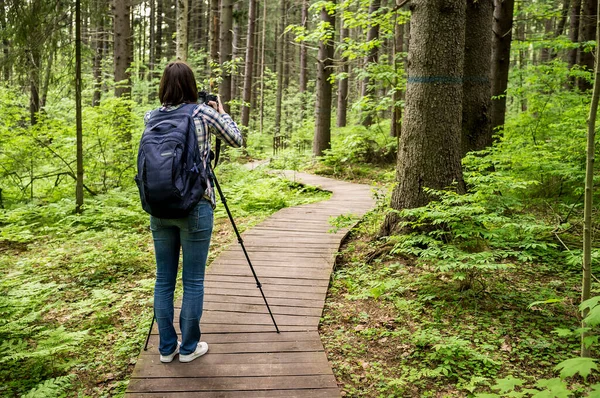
476	124
322	139
122	47
225	55
429	150
342	99
78	119
501	41
280	37
372	34
182	30
248	66
587	33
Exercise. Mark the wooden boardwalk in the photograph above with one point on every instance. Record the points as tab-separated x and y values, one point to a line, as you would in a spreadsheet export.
292	253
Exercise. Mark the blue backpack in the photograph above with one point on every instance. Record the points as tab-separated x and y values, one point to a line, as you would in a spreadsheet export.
170	176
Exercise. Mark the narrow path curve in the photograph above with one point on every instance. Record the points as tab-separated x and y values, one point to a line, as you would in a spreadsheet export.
293	255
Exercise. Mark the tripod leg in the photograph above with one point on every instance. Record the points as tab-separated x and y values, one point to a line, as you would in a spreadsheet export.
149	333
241	242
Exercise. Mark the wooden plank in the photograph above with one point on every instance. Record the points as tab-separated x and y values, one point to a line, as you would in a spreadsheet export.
245	348
261	309
192	384
271	287
258	300
268	293
299	393
152	367
265	280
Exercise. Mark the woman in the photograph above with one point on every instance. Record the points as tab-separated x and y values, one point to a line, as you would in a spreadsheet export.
192	234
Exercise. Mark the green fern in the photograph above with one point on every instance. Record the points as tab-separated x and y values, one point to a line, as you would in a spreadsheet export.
52	388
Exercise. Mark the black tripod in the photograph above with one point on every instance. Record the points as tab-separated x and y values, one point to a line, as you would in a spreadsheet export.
241	242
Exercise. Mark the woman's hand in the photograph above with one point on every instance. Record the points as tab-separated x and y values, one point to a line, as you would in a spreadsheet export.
218	106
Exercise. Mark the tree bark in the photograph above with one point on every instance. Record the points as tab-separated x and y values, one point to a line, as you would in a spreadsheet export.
123	50
182	30
5	44
34	63
589	192
589	9
477	98
159	32
215	25
249	66
78	119
429	147
322	139
395	126
371	58
574	12
342	99
225	55
170	29
235	45
501	42
280	59
303	50
262	69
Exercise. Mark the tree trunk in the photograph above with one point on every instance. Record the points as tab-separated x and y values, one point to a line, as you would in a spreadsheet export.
429	147
159	32
280	59
225	56
372	34
78	119
248	66
303	50
501	41
589	192
322	140
170	31
573	34
589	9
34	83
5	44
395	125
122	47
477	98
98	47
235	45
214	29
182	30
262	68
342	100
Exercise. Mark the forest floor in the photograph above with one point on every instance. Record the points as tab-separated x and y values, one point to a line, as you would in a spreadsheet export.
393	328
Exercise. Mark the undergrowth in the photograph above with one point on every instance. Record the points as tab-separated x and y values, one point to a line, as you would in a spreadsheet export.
76	290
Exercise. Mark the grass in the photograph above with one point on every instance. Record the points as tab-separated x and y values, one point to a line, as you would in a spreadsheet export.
76	291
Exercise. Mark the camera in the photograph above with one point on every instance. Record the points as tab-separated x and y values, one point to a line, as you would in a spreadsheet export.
204	97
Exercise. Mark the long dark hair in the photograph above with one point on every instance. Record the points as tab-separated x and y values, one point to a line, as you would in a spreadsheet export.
177	85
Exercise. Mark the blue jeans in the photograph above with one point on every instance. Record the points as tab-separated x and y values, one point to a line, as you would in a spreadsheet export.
192	234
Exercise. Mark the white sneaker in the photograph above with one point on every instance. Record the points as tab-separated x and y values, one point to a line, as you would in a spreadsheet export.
201	349
169	358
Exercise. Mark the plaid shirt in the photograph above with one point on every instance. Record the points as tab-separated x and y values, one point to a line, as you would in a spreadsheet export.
223	127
